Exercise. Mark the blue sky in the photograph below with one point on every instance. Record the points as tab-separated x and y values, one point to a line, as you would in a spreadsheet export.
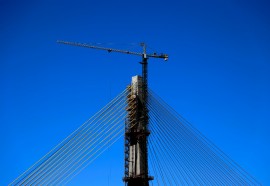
217	75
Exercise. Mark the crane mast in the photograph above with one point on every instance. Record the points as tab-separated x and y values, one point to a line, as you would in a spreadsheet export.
136	127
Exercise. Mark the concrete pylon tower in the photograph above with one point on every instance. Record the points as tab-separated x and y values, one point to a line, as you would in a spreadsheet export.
136	134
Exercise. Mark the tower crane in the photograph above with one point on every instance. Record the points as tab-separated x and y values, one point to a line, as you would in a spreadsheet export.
136	130
144	55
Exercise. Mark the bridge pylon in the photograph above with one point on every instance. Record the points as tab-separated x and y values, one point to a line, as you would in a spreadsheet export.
136	134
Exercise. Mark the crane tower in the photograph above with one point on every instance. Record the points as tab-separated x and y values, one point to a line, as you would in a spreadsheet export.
136	125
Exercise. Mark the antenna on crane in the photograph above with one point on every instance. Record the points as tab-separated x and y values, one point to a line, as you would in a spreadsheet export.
136	132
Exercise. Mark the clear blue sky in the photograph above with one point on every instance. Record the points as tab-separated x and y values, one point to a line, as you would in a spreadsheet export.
217	77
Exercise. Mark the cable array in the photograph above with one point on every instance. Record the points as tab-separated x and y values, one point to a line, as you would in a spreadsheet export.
180	155
80	148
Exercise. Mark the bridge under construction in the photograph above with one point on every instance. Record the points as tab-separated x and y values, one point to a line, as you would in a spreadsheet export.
160	146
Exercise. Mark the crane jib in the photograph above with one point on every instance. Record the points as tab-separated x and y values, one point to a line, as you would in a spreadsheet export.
144	54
